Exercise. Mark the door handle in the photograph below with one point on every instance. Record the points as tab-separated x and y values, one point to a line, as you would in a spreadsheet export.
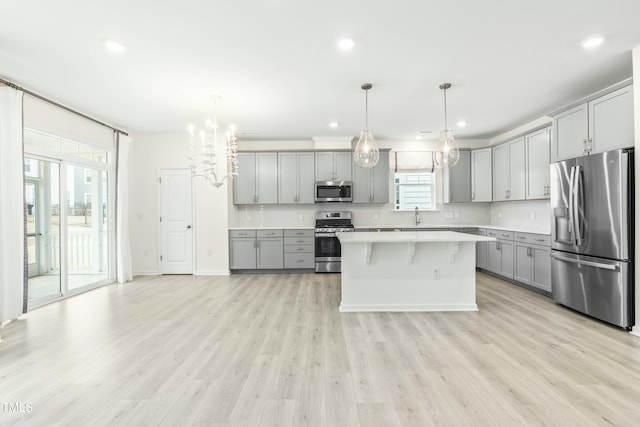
188	227
612	267
576	206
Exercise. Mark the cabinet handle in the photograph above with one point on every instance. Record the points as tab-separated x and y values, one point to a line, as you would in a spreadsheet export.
584	146
539	240
299	260
300	249
299	233
590	144
505	235
498	245
473	195
520	237
270	234
254	244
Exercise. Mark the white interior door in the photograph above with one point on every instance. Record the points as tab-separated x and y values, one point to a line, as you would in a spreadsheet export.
176	222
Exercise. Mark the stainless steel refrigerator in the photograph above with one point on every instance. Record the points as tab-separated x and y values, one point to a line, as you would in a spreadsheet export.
592	235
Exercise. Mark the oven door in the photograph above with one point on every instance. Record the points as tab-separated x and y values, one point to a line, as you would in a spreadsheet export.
327	247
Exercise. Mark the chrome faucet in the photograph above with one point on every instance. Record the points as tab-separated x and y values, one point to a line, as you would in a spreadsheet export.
416	217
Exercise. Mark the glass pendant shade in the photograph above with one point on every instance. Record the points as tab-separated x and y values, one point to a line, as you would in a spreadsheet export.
366	154
447	152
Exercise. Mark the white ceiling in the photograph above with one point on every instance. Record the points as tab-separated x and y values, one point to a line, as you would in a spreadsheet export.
276	65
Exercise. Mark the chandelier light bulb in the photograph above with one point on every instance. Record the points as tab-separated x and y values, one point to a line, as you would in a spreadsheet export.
366	153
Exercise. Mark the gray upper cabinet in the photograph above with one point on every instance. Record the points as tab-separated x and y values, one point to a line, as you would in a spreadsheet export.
371	185
333	166
296	177
537	174
601	124
509	171
457	180
257	180
481	173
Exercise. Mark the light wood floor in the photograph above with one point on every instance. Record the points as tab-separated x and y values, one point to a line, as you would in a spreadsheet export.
273	350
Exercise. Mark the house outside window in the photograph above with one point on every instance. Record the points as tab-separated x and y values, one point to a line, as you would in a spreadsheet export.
415	189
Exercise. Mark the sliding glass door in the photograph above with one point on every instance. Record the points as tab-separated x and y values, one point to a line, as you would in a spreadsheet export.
42	199
87	237
69	193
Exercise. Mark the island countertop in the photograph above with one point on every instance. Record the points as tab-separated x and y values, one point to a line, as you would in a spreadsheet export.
410	237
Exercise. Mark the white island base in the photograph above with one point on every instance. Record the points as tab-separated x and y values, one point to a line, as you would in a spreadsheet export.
409	271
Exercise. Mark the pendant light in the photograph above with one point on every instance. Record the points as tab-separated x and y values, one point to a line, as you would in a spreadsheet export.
366	154
447	152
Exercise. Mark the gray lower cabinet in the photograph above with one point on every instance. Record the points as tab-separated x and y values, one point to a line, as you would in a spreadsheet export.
299	249
371	185
533	261
481	250
269	249
242	249
500	253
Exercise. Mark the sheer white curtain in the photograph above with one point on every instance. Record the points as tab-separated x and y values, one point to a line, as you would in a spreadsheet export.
12	249
123	248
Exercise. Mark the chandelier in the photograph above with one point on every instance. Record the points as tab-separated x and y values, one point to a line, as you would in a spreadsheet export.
205	162
366	153
447	152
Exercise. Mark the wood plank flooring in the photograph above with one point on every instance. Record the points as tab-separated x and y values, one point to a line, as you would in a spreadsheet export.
273	350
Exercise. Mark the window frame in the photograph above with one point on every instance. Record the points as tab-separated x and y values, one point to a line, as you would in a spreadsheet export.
432	185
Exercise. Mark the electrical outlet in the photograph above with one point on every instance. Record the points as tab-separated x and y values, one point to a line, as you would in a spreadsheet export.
375	215
300	216
248	217
532	215
456	215
499	215
436	274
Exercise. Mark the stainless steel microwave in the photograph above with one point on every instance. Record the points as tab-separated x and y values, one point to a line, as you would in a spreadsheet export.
333	191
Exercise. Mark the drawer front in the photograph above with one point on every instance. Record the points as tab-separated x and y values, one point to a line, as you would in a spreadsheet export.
299	233
500	234
302	260
299	240
536	239
299	249
269	233
482	231
242	233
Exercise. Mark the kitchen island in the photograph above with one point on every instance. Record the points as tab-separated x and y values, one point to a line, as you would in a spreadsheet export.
409	271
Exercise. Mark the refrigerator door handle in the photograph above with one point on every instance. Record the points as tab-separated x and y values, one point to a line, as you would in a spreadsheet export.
583	262
576	205
571	219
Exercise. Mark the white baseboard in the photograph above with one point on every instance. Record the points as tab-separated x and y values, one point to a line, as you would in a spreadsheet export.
212	273
407	307
635	331
146	273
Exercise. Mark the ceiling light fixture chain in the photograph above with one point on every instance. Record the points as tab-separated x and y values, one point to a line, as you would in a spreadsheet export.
366	153
447	152
205	163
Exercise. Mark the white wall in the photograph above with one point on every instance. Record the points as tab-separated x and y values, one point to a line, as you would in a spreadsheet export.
636	97
149	153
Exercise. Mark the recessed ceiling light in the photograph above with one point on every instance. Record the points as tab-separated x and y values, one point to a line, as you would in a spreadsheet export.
334	125
592	42
114	46
461	124
346	43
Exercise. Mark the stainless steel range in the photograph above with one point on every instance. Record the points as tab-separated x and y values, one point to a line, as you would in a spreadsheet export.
327	244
